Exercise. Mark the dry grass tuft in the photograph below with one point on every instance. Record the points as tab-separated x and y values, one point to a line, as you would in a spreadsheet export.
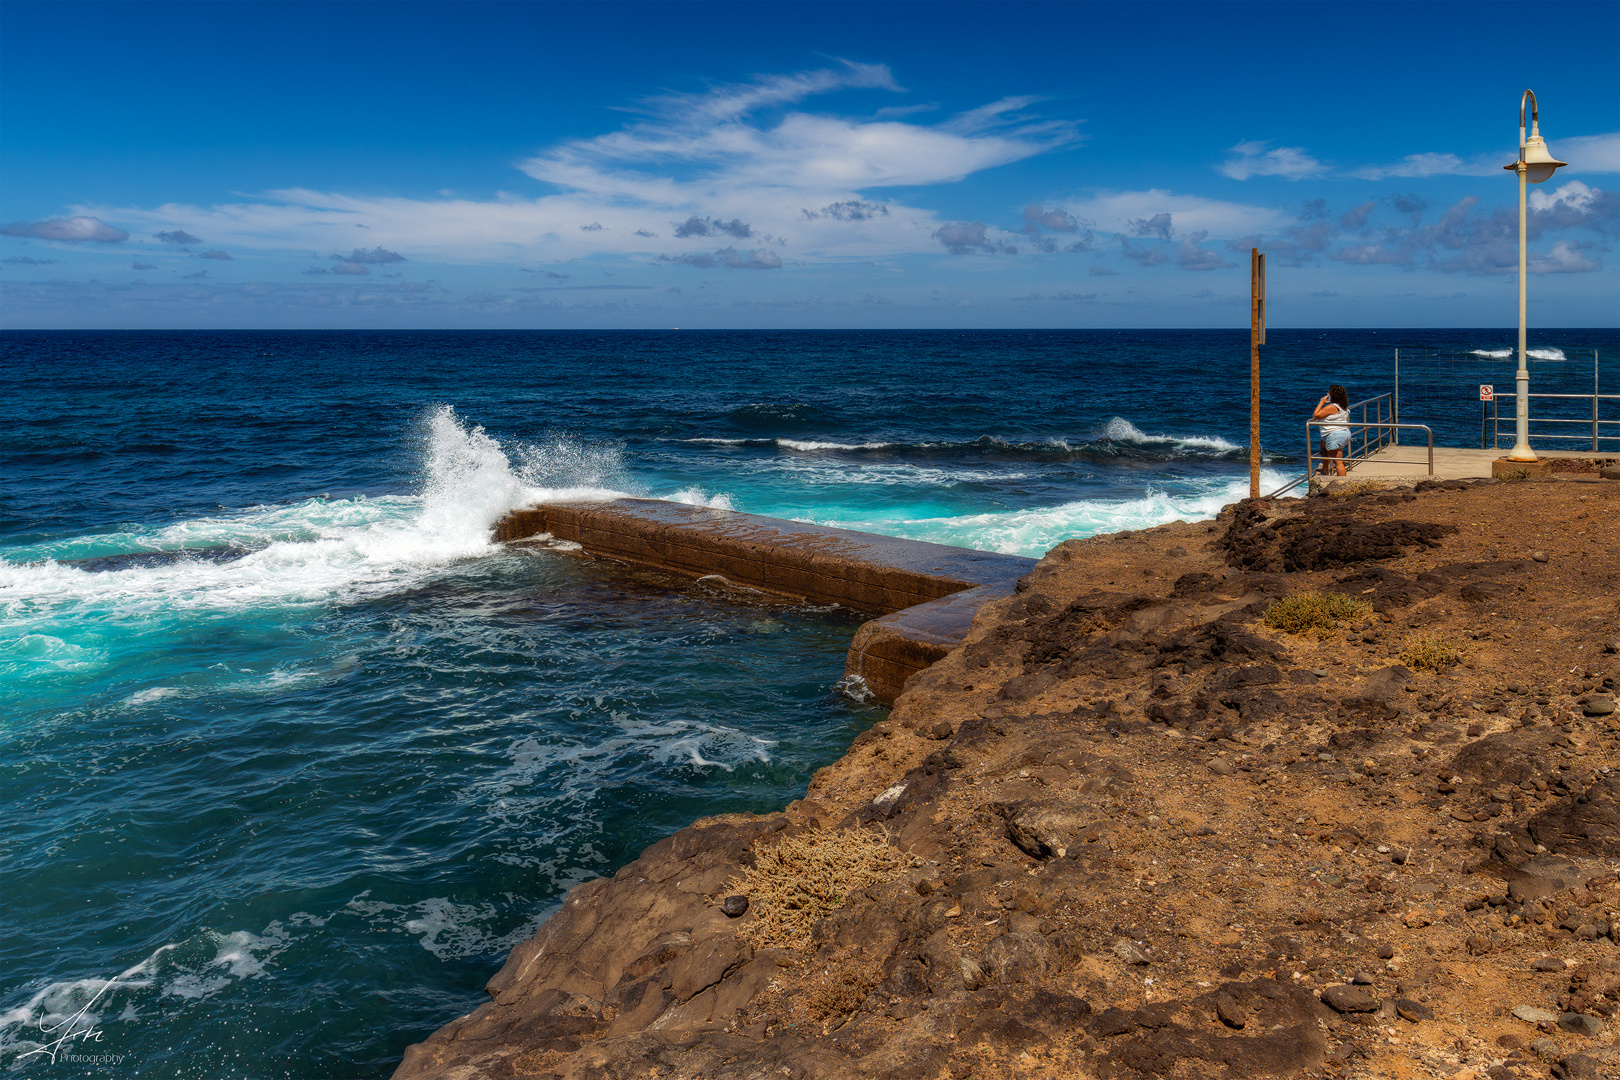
1352	488
1315	614
1429	652
801	879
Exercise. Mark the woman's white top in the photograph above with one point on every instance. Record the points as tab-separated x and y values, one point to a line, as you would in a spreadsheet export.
1336	421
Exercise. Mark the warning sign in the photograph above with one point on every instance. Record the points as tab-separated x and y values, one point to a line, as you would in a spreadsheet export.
1486	392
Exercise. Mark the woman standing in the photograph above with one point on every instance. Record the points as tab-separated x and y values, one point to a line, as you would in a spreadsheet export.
1334	407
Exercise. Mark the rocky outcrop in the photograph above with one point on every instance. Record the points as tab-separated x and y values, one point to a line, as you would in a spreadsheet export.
1145	836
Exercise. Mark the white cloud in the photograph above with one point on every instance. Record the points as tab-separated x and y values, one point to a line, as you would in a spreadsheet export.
1590	153
1585	153
1433	164
71	230
1257	159
1564	258
697	157
1120	212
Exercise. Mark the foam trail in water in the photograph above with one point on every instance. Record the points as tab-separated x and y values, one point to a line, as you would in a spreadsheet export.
1034	532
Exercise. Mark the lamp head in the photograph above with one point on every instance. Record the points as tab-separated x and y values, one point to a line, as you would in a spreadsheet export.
1539	164
1534	159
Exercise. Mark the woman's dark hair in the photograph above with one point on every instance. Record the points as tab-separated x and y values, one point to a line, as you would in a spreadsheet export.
1340	396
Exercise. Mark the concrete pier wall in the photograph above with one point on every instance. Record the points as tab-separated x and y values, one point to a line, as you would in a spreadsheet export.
924	594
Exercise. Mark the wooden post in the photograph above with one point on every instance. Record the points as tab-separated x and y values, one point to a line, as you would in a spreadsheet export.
1257	338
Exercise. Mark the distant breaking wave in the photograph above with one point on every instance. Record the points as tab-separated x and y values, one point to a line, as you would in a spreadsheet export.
1505	354
1117	439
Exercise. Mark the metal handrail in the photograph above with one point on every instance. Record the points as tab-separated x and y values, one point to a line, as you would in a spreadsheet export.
1290	486
1351	460
1594	423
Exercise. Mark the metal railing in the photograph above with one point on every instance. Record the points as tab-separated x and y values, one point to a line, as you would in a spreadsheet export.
1367	437
1374	437
1595	423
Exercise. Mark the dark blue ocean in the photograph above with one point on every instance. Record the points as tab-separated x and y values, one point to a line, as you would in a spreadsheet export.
291	755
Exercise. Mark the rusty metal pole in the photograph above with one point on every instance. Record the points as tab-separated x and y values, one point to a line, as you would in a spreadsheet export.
1257	338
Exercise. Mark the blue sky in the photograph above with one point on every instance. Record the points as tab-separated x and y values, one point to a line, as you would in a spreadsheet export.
800	165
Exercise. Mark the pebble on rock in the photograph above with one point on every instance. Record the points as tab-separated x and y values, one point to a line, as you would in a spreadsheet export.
1539	556
1230	1013
1350	999
735	905
1547	963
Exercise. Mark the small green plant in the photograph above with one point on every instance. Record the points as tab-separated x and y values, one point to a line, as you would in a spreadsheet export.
1315	614
1429	652
801	879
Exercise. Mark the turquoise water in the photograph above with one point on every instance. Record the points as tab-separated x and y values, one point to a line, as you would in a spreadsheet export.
291	755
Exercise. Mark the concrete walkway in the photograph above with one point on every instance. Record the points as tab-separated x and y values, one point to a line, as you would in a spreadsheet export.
1450	463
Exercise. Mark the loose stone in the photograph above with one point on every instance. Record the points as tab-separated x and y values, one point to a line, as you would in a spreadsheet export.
1407	1009
1532	1015
1580	1023
735	905
1230	1013
1350	999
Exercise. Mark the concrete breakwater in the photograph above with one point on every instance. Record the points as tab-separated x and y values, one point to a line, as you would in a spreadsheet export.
924	595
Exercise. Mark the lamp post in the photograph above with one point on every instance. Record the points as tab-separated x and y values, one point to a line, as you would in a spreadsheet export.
1535	164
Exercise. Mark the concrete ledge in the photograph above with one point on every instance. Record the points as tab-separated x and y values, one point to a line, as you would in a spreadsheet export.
1521	470
925	594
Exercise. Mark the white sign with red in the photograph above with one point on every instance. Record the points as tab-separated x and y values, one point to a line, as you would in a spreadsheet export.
1486	392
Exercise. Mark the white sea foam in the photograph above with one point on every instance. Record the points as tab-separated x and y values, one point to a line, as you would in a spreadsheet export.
810	447
1034	532
694	496
1534	354
1119	429
190	970
312	551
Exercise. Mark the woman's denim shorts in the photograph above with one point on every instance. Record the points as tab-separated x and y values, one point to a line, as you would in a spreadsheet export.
1336	440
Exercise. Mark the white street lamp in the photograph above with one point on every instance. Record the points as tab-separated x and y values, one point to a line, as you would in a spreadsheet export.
1535	164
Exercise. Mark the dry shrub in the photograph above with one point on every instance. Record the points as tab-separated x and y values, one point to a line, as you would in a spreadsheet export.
801	879
840	990
1429	652
1315	614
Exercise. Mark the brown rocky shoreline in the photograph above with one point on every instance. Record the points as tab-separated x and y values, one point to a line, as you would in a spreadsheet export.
1136	832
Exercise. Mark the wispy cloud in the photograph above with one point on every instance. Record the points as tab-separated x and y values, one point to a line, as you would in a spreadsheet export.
70	230
1248	159
1418	166
1585	154
762	259
747	161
